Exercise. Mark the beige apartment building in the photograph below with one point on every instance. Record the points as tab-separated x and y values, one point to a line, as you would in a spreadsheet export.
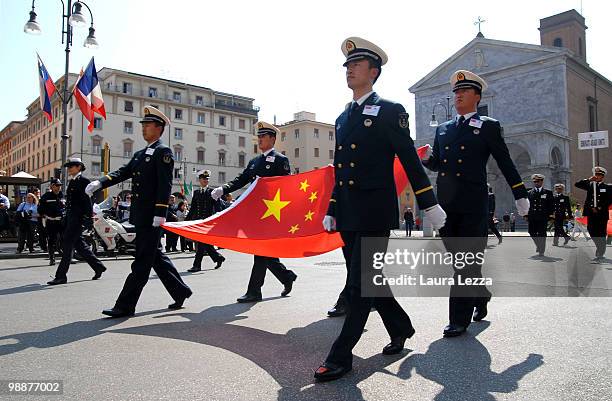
6	136
208	129
308	143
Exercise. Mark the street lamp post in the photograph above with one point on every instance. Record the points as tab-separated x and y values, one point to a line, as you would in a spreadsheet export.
71	17
447	108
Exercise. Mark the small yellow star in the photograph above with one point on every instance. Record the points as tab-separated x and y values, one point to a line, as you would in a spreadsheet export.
294	228
313	196
274	206
304	185
308	216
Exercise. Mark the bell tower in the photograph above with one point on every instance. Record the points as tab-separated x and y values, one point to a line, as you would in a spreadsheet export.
565	30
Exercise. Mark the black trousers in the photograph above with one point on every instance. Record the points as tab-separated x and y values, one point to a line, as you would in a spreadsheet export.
493	227
464	233
409	229
598	231
396	320
258	273
560	229
54	230
537	231
202	249
73	241
149	255
25	236
42	234
171	241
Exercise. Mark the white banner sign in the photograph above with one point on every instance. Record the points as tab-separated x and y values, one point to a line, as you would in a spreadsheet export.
592	140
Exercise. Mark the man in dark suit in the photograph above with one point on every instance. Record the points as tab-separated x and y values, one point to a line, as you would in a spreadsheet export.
562	211
409	221
540	211
151	172
51	210
491	221
202	207
598	200
171	238
369	134
78	217
460	153
269	164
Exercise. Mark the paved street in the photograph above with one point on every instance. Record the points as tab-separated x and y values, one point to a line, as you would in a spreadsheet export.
215	349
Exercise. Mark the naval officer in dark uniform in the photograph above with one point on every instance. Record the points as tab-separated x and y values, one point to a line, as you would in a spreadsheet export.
202	207
562	211
598	200
51	209
151	172
79	212
460	153
540	211
363	205
269	164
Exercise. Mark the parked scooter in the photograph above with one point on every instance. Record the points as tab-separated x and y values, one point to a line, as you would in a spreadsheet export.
108	235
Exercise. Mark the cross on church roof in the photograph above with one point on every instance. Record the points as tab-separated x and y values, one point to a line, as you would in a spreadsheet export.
478	22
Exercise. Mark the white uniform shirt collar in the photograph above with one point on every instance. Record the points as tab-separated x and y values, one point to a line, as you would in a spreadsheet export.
465	116
362	99
151	145
267	152
72	177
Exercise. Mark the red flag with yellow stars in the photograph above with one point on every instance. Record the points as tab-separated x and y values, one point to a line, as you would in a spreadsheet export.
277	216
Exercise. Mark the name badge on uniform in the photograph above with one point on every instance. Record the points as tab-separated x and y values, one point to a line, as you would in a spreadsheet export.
51	200
602	190
149	151
270	159
370	110
475	123
562	200
543	196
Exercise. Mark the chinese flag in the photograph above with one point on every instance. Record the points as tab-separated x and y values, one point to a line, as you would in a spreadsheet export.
277	216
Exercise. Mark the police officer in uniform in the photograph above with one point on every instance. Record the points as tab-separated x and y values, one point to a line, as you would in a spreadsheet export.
78	217
598	200
562	211
540	210
202	207
51	209
269	164
151	172
460	153
369	134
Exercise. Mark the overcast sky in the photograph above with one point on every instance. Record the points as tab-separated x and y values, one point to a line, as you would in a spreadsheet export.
286	55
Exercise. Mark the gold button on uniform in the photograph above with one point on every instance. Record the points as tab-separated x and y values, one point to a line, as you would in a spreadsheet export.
351	182
352	164
446	147
462	147
353	146
445	160
340	183
442	174
458	174
459	161
339	147
339	165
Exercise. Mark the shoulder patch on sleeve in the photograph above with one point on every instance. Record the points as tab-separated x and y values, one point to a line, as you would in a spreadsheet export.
403	120
167	158
286	165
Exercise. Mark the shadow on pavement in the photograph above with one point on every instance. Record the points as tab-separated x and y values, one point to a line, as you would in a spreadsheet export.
462	366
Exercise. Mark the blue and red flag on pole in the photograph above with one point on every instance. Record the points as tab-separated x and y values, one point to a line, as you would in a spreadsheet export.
47	89
88	94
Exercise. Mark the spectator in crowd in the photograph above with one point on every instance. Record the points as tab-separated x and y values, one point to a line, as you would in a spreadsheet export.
27	216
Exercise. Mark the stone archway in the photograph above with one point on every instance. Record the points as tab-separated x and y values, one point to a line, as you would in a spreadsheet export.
556	165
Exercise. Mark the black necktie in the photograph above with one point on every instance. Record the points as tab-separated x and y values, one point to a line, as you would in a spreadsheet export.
354	106
460	121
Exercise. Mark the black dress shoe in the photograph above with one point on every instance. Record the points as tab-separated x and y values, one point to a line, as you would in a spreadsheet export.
98	274
178	304
57	281
51	261
246	298
118	312
220	262
397	344
288	287
453	330
499	241
339	309
480	312
329	371
566	241
195	269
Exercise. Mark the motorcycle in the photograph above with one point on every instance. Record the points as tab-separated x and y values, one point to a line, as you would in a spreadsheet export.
109	235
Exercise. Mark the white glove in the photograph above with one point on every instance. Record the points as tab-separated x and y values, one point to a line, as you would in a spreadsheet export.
217	193
329	223
158	221
522	205
437	216
93	187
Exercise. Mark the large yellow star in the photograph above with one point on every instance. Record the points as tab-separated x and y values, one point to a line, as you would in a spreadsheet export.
304	185
274	206
308	216
313	196
294	228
